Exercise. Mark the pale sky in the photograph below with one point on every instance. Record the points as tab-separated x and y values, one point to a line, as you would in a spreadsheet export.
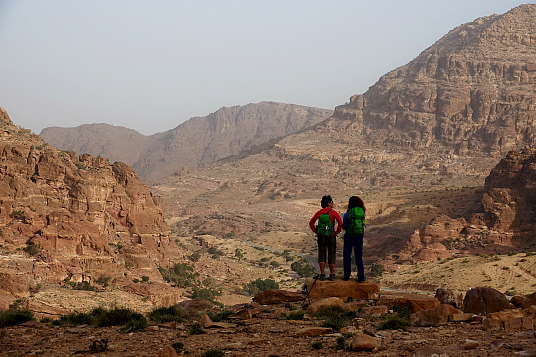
150	65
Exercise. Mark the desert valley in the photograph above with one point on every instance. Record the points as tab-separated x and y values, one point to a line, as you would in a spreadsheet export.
212	217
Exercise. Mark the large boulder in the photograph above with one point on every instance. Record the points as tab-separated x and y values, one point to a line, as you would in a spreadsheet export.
343	289
483	301
272	296
416	302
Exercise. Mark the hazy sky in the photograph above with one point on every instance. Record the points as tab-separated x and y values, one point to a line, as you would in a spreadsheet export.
150	65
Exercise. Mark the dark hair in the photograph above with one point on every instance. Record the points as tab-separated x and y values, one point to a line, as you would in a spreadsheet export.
355	201
326	200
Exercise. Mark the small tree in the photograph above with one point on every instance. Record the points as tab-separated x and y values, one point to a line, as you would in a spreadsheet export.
259	285
239	254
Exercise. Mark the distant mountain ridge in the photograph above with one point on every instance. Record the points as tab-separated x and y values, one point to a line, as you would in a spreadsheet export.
198	141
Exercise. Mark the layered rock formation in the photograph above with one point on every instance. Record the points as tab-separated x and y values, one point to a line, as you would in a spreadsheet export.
472	91
73	217
198	141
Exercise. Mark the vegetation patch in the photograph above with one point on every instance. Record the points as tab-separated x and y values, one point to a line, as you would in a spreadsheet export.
335	317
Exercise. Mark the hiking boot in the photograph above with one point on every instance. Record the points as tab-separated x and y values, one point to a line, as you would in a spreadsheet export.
362	281
346	279
322	277
331	277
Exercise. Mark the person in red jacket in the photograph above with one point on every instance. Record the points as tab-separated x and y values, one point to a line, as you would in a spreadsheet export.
326	240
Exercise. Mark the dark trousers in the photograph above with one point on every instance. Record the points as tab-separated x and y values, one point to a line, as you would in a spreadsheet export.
355	244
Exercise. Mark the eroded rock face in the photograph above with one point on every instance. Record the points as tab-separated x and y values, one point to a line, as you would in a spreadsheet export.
77	217
426	244
509	197
472	91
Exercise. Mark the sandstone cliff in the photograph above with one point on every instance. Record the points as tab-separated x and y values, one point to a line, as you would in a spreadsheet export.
65	216
198	141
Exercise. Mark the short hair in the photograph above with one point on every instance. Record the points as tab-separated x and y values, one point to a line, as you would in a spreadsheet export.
326	200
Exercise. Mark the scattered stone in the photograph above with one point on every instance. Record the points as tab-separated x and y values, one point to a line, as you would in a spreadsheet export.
168	351
244	314
234	346
375	311
429	351
470	344
205	321
314	331
355	305
169	325
362	342
349	330
461	317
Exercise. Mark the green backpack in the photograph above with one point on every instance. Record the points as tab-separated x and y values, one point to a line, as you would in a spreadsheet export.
356	216
325	226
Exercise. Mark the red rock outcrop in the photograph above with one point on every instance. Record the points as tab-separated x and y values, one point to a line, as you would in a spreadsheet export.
76	217
508	200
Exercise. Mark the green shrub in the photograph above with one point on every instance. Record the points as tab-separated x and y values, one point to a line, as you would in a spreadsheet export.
136	322
377	270
196	329
79	318
259	285
114	317
33	249
202	293
167	314
178	346
340	343
220	316
317	345
335	317
104	280
303	268
394	322
213	353
181	274
17	214
13	317
296	315
403	311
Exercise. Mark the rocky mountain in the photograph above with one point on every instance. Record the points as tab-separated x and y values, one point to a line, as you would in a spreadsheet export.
66	217
472	91
198	141
116	143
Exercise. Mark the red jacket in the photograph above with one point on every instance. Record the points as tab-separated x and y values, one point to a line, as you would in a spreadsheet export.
334	217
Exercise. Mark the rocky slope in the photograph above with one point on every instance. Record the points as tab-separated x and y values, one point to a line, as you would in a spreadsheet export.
66	217
198	141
